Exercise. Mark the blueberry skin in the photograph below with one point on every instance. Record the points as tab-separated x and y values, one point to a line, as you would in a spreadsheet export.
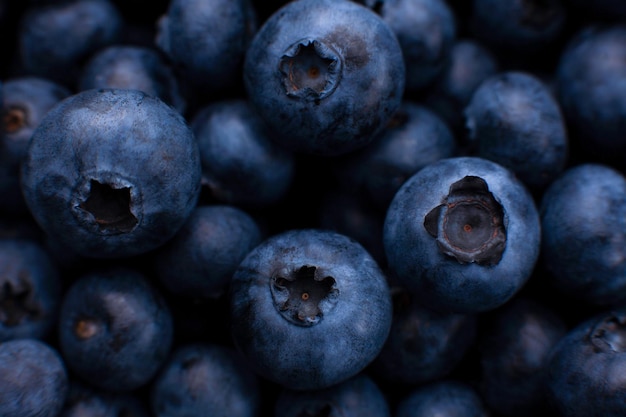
309	308
514	348
207	42
424	345
448	397
115	330
462	235
30	290
204	379
55	39
325	75
241	163
590	82
514	119
111	173
414	137
25	101
426	31
132	67
358	396
583	218
586	368
200	259
86	401
33	379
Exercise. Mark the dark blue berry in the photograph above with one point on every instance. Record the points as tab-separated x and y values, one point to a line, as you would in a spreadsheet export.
111	173
309	308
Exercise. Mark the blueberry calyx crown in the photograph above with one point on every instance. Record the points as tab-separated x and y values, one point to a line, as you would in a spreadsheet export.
469	224
310	70
17	304
110	208
609	334
304	295
13	119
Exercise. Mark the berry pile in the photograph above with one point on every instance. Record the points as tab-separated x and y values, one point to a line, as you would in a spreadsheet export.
386	208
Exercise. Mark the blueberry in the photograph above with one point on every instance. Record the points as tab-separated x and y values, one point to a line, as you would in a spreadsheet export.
84	400
583	244
111	173
513	119
241	164
115	330
132	67
309	308
207	42
33	379
25	101
203	379
426	31
591	87
514	347
414	137
462	235
423	345
54	39
202	257
358	396
30	290
586	368
447	397
325	75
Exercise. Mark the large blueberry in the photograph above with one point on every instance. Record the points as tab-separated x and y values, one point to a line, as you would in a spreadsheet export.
358	396
204	379
241	163
583	244
587	366
462	234
30	290
25	101
513	119
111	173
591	87
115	330
309	308
325	74
33	379
206	41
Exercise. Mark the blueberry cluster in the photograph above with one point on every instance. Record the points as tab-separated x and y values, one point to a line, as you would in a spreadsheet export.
250	208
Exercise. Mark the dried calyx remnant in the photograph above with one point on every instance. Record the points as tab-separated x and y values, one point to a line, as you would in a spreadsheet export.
311	70
609	334
110	208
17	303
303	296
13	119
469	224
